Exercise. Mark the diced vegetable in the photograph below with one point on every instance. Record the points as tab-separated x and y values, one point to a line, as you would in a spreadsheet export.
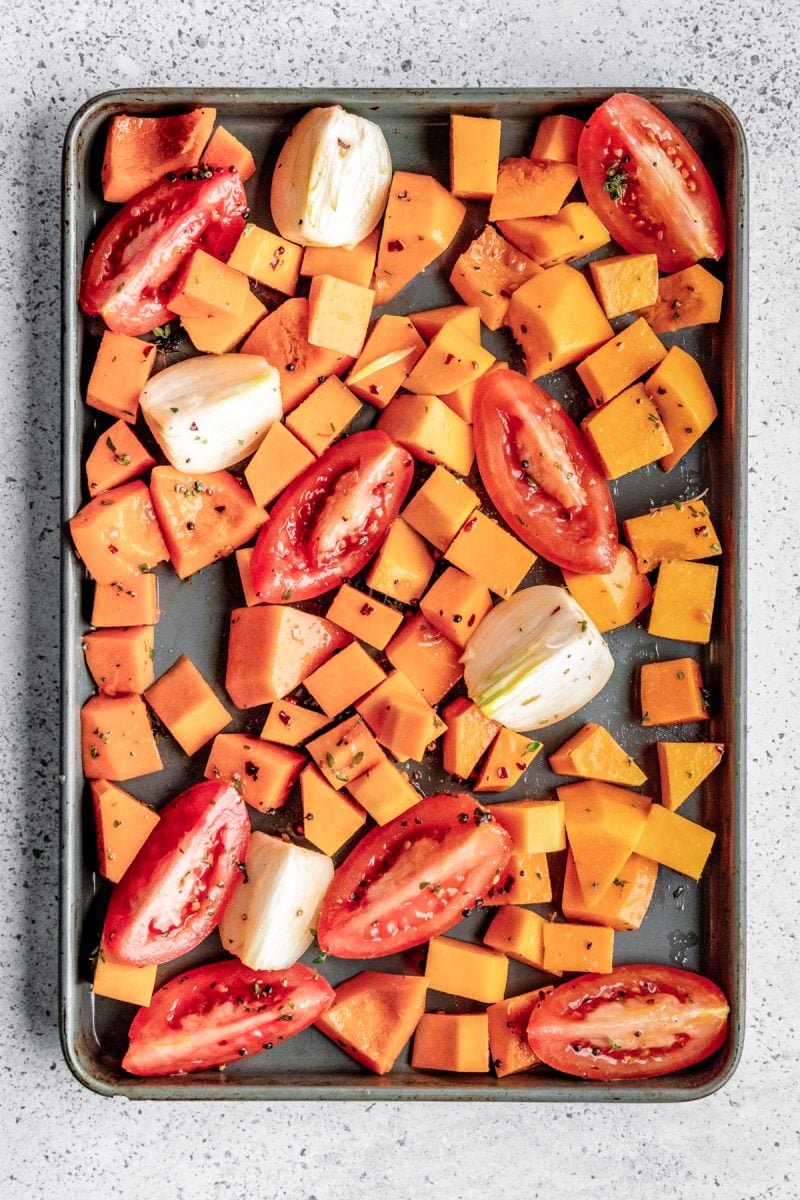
468	735
377	708
122	824
206	287
345	751
338	315
440	508
452	1042
272	649
452	360
402	567
474	156
363	616
134	602
683	766
373	1016
487	274
343	679
622	906
140	150
671	840
682	396
625	282
384	791
392	350
581	948
536	826
592	753
356	264
262	772
119	981
621	361
116	535
604	824
556	320
614	599
509	757
289	724
324	415
461	969
420	221
484	550
277	462
203	517
116	739
508	1038
586	225
525	879
226	151
557	138
689	297
518	933
627	432
268	259
120	661
426	656
429	430
431	321
681	530
116	457
282	338
672	692
545	241
329	817
215	334
187	706
683	601
530	188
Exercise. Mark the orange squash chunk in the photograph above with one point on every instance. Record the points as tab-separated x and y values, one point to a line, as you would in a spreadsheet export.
671	840
682	530
377	707
116	739
462	399
373	1016
452	1042
187	705
426	656
273	648
122	824
672	692
262	772
116	457
627	356
207	287
329	817
525	879
384	792
324	415
544	241
406	729
268	259
212	333
282	338
203	517
579	948
683	601
625	282
134	602
528	187
455	605
289	724
536	826
343	679
392	350
226	151
430	321
508	1032
510	755
689	297
557	320
277	462
338	314
627	433
614	599
116	535
430	431
440	508
141	150
604	824
345	752
119	981
353	263
363	616
682	396
489	554
452	360
622	906
420	221
518	933
488	273
402	567
683	766
474	156
557	138
461	969
467	737
120	661
592	753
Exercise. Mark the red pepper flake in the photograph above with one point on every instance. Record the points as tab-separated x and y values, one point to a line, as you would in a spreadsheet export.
502	773
395	244
367	609
284	718
470	525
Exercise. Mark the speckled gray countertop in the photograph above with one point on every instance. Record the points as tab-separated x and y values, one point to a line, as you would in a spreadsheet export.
57	1139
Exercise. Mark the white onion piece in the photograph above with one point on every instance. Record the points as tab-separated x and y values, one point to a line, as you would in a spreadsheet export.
331	182
210	412
268	922
535	659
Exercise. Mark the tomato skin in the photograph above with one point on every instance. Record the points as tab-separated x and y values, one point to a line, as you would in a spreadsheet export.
681	214
128	275
638	1022
222	1012
442	843
509	412
179	884
310	542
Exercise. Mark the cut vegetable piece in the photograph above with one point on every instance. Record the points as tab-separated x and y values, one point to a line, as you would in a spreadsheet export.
203	517
365	617
440	508
261	772
491	555
278	461
384	791
536	826
343	679
525	879
517	932
545	241
430	431
392	349
604	824
268	259
580	948
461	969
329	818
134	602
206	287
455	605
119	981
140	150
622	906
269	921
122	824
627	433
324	415
683	766
352	263
120	661
671	840
282	338
629	354
682	396
345	752
376	709
687	298
289	724
243	558
452	1042
681	530
451	361
557	139
556	320
402	567
430	321
508	1033
116	457
116	739
116	535
588	228
462	400
338	314
592	753
488	273
272	649
474	156
427	657
672	692
614	599
406	729
467	737
187	706
528	187
214	334
226	151
373	1016
683	601
625	283
509	757
420	221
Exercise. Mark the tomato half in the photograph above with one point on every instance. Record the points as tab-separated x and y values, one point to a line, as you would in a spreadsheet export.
130	270
179	884
223	1012
328	524
647	184
638	1022
412	878
541	474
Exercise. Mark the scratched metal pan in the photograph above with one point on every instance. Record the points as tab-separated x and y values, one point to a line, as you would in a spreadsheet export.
701	926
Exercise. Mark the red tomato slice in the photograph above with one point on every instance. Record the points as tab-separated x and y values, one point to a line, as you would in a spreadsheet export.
638	1022
328	524
541	475
179	885
412	878
222	1012
648	186
130	269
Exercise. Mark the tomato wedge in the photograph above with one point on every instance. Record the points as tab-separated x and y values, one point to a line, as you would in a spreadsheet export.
647	184
328	524
130	269
222	1012
179	884
541	475
638	1022
412	878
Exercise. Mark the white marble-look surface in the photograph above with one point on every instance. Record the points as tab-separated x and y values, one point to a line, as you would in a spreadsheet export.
58	1140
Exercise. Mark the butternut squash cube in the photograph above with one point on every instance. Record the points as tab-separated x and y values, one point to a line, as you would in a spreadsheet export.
364	617
556	320
392	349
525	879
329	817
625	282
187	706
373	1016
683	601
468	736
273	648
461	969
338	314
689	297
579	948
345	752
455	605
384	791
623	905
226	151
536	826
268	259
681	530
462	400
592	753
627	433
489	554
604	824
672	692
557	138
452	1042
207	287
402	567
430	321
589	230
108	556
116	457
517	932
213	333
487	274
440	508
682	396
406	729
324	415
614	599
420	221
120	661
509	757
119	981
343	679
674	842
474	156
282	338
430	431
683	766
625	358
376	709
426	656
134	602
116	739
122	823
508	1032
277	462
120	371
529	187
545	241
263	773
355	264
451	361
289	724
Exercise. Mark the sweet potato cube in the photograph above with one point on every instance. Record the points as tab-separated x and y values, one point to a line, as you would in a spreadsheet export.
207	287
452	1042
120	371
134	602
430	321
440	508
377	707
120	661
117	536
556	320
474	156
528	187
683	766
384	791
682	396
402	567
273	648
324	415
592	753
579	948
122	823
338	314
343	679
329	817
545	241
268	259
487	274
282	338
508	1032
426	656
187	705
672	692
467	737
392	350
116	457
536	826
627	356
119	981
355	264
517	932
509	757
430	431
462	969
525	879
455	605
557	138
452	360
622	906
289	724
604	824
213	333
345	752
365	617
262	772
489	554
373	1016
625	282
674	842
277	462
420	221
627	433
226	151
681	530
689	297
683	601
614	599
116	739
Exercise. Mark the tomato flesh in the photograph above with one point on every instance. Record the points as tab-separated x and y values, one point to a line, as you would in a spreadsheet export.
130	269
413	878
328	524
541	475
638	1022
647	184
221	1012
177	888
